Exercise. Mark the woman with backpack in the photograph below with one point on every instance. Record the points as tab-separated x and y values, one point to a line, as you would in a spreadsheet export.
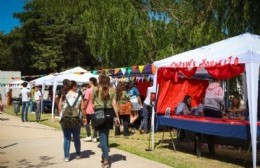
71	103
105	98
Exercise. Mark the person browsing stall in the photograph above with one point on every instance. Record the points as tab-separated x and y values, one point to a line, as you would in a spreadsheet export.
184	107
214	100
236	111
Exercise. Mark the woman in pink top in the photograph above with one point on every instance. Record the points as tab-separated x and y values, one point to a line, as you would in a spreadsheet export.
214	100
89	109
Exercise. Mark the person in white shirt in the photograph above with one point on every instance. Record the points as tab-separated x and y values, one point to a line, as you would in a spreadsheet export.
25	92
184	107
147	111
37	100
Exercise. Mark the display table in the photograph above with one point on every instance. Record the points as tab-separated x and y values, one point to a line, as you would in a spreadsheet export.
210	126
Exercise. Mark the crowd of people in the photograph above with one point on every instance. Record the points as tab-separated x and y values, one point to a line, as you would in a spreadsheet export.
77	106
126	104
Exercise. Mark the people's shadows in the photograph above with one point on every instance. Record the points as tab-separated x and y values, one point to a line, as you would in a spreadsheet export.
9	145
44	119
117	157
4	119
84	154
4	164
44	162
113	145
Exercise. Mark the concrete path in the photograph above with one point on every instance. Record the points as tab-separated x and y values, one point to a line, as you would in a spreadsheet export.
30	144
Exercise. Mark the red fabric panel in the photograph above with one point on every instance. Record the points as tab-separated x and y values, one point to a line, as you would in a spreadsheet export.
226	71
142	87
188	72
172	73
171	93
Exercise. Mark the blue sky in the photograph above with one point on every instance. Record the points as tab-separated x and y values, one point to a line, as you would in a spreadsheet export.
7	8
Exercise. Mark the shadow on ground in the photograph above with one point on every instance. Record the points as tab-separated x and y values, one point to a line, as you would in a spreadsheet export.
4	119
84	154
4	164
117	157
3	147
45	161
113	145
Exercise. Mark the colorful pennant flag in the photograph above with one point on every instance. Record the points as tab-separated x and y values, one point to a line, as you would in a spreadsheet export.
116	71
141	68
134	68
153	69
129	70
95	72
123	70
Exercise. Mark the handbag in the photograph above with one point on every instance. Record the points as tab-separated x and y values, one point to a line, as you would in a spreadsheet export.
125	108
98	117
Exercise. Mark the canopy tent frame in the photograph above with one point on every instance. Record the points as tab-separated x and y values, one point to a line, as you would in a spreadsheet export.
244	49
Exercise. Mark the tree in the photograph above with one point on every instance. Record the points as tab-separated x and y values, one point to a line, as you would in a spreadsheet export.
58	34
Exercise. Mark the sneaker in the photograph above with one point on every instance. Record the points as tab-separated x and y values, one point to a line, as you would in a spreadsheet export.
66	160
94	140
87	139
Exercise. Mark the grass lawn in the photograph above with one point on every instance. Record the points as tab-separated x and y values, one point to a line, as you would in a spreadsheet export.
183	157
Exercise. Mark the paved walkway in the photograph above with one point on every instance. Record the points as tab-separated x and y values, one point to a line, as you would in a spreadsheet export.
31	144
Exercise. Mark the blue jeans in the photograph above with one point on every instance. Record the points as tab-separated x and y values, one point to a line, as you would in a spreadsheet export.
103	137
31	106
67	138
25	106
147	111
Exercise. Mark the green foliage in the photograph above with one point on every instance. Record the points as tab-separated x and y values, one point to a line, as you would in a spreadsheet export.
59	34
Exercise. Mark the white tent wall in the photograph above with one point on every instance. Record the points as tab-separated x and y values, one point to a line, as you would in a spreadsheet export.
245	49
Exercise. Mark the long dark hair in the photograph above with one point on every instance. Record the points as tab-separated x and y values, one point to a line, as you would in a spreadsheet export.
72	84
119	90
93	80
104	84
185	100
65	88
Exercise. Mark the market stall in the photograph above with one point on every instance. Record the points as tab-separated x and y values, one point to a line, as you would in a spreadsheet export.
222	60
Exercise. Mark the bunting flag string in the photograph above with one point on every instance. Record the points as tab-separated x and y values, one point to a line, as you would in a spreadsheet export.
128	72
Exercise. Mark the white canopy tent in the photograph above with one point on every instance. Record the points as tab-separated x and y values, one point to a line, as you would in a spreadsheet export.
80	79
77	74
245	49
74	70
41	80
48	79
